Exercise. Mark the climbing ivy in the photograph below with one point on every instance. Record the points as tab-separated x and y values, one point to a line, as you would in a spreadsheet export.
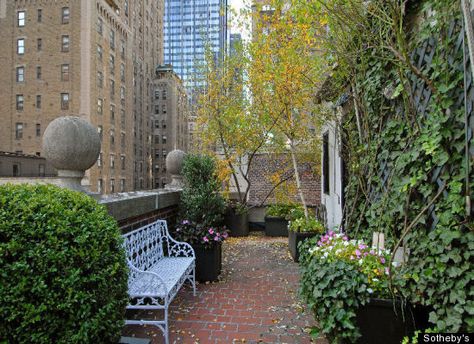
404	144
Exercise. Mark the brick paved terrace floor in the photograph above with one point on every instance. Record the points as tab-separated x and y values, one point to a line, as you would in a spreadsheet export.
254	301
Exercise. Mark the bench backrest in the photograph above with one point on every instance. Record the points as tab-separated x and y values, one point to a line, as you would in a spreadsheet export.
146	245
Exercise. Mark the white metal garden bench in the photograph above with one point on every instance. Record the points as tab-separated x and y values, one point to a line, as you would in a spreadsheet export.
158	267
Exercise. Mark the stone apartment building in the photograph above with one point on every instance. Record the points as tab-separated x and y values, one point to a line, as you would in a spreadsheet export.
89	58
24	165
170	120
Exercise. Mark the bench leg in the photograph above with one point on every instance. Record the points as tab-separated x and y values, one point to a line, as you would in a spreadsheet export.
194	281
166	332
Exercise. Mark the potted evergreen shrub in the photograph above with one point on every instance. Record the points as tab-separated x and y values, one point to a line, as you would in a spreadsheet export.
346	284
201	215
300	229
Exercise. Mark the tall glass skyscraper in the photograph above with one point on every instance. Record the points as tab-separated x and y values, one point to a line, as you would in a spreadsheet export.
188	26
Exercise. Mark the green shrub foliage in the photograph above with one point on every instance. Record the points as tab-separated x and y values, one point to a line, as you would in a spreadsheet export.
63	276
201	200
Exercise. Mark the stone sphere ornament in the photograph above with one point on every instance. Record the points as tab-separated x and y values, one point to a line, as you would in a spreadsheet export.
174	165
71	144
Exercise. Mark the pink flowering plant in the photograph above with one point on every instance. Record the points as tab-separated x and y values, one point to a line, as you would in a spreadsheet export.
371	262
193	233
339	275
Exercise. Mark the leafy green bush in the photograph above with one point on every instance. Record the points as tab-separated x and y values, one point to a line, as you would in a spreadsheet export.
286	211
303	225
338	276
63	276
201	201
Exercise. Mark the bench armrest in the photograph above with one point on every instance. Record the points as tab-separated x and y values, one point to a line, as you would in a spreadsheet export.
142	283
180	248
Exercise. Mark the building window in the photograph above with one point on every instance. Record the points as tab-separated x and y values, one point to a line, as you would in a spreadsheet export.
65	72
21	16
112	185
100	106
100	131
38	101
41	170
20	74
112	114
122	95
164	152
64	101
157	94
38	130
65	14
326	163
40	15
112	89
99	52
20	102
122	185
157	139
112	161
122	117
163	124
112	39
125	7
157	124
100	186
20	46
157	109
65	43
163	139
112	64
100	26
122	49
122	162
112	138
100	79
122	72
16	170
163	95
163	109
18	131
39	44
122	140
38	73
99	160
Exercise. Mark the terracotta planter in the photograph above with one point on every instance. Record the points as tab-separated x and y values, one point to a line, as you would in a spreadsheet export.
208	262
237	223
294	238
276	226
384	321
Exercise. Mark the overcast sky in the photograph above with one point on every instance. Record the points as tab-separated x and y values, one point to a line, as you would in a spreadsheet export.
238	5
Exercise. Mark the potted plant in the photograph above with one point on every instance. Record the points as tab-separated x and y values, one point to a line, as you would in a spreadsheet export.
276	219
300	229
346	284
207	245
237	218
201	212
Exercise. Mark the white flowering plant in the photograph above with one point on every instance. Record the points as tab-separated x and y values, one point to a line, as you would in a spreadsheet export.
339	275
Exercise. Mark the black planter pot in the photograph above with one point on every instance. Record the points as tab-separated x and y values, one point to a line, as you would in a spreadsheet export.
294	238
384	321
237	223
208	262
276	226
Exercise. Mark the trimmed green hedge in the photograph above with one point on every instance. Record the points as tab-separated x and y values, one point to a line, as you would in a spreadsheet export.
63	276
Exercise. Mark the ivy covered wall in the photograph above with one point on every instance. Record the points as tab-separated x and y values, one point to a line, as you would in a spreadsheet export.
410	154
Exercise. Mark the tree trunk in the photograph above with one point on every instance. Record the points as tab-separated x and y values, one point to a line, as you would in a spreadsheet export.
297	178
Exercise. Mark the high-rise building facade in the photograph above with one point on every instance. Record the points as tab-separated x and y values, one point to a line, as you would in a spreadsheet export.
84	58
188	26
170	120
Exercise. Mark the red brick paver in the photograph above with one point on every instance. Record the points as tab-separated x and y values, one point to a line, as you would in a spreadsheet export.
255	300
